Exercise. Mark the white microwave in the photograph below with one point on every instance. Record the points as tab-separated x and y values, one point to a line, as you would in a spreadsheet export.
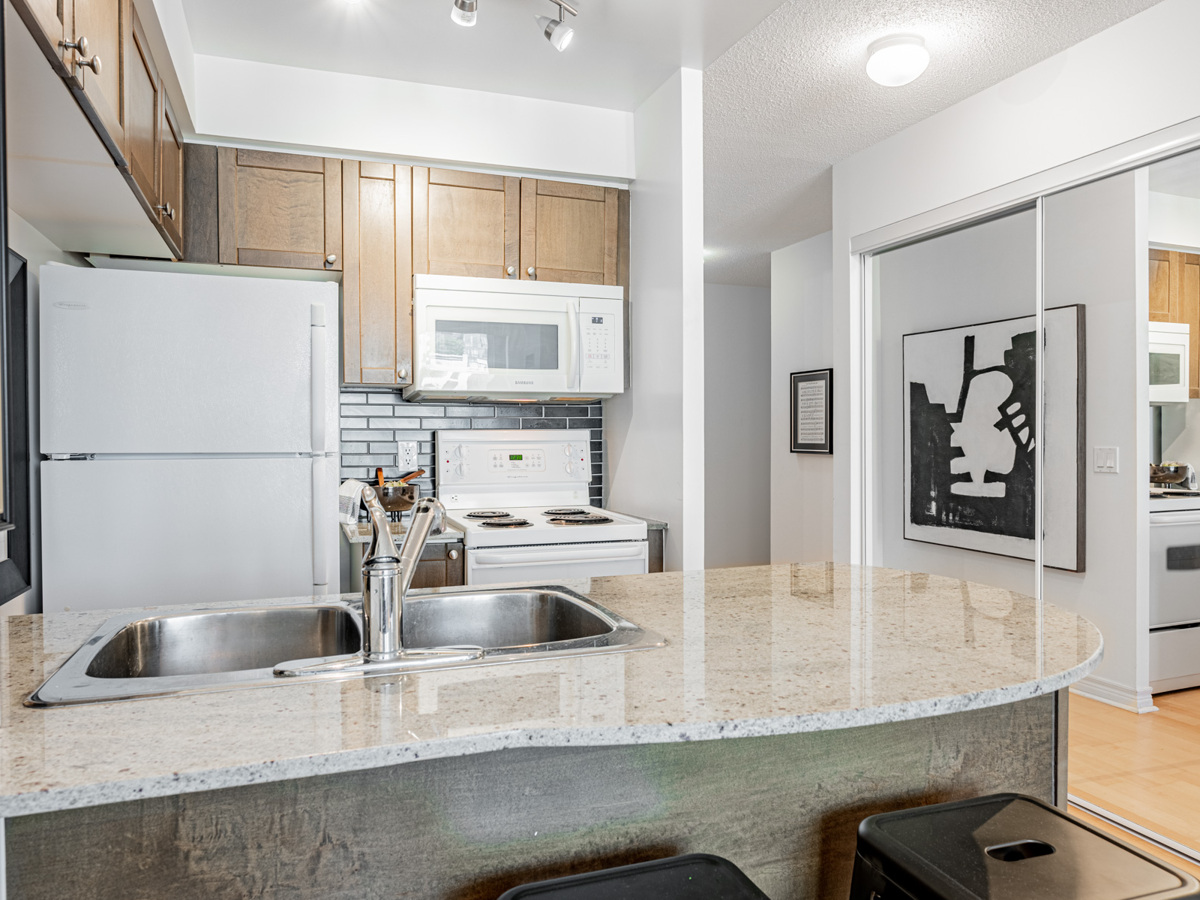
1169	362
494	339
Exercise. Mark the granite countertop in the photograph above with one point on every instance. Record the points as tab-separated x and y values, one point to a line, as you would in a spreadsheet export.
752	651
360	533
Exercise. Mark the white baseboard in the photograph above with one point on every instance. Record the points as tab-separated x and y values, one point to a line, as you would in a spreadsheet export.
1115	694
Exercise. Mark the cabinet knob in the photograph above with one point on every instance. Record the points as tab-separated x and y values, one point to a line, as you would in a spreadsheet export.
531	272
511	271
331	259
401	372
453	554
167	210
80	45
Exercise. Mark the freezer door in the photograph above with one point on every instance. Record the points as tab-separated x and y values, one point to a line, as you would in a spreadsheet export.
152	362
119	533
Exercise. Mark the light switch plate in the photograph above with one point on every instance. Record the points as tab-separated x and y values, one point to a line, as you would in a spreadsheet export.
1106	460
406	453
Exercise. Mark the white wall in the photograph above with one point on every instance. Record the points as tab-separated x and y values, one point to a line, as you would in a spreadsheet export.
655	431
1121	85
802	485
1095	254
1175	221
737	425
239	101
37	250
978	274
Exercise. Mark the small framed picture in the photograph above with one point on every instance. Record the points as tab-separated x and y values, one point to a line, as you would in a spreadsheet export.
812	411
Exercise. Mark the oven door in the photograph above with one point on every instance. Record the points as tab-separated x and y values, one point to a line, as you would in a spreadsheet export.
549	562
469	343
1175	569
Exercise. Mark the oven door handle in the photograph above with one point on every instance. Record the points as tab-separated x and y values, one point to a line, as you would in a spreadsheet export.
630	550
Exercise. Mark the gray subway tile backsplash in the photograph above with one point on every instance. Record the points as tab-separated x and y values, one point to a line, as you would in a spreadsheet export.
372	421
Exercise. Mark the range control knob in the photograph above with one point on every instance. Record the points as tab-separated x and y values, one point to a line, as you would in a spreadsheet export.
459	452
569	468
460	470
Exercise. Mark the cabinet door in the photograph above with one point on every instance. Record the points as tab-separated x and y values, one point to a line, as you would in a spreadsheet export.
102	23
142	115
279	209
465	223
569	232
377	273
1160	288
48	21
170	190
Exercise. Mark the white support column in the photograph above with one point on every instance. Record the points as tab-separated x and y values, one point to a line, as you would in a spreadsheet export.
655	431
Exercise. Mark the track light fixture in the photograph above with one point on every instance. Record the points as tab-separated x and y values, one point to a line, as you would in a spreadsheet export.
556	31
464	12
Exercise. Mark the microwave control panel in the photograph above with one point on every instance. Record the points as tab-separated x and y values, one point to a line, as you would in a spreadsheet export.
601	346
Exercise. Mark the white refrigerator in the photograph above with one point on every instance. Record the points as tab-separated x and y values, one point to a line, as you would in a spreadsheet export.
189	438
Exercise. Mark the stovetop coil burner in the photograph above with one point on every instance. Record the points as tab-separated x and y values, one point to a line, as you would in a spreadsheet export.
585	519
565	511
505	523
488	514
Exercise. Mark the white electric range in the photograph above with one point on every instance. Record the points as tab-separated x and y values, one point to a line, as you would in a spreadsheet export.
521	500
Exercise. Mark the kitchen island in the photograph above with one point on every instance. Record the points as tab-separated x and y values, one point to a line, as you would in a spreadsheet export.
790	702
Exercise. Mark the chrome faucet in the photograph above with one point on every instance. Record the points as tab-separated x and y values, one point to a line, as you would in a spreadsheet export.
387	575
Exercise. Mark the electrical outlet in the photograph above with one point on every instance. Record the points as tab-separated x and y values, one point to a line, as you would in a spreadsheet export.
406	452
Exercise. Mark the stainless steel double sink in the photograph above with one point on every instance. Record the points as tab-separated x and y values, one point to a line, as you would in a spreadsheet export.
200	650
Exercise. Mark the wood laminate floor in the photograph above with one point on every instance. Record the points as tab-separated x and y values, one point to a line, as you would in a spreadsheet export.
1144	768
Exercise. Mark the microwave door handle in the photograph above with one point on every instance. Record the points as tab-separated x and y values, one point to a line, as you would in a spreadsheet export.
574	360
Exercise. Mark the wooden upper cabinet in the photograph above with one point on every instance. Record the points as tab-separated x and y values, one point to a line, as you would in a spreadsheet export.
569	232
377	273
99	73
48	21
143	99
1175	297
170	193
465	223
1160	288
279	209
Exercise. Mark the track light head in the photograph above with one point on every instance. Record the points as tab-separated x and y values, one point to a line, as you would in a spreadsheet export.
463	12
556	31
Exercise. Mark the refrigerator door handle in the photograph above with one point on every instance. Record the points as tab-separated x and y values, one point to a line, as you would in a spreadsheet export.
317	401
320	562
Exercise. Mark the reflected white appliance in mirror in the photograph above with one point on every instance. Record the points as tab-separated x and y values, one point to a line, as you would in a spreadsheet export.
1169	363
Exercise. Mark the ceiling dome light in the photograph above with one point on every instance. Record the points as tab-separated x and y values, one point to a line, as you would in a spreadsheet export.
897	59
464	12
556	31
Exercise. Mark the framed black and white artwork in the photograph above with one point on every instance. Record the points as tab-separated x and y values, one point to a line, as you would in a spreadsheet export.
812	411
969	414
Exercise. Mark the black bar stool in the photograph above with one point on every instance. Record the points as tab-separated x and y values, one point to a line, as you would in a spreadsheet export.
695	876
1003	847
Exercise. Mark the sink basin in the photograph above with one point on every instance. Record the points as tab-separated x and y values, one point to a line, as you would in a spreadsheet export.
227	641
194	651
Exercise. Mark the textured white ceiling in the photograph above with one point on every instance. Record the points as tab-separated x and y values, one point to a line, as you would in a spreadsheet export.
791	98
622	51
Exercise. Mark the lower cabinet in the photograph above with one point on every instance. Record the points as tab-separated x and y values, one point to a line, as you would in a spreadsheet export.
441	565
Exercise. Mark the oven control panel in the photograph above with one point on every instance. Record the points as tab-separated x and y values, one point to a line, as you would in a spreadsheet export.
497	458
517	459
